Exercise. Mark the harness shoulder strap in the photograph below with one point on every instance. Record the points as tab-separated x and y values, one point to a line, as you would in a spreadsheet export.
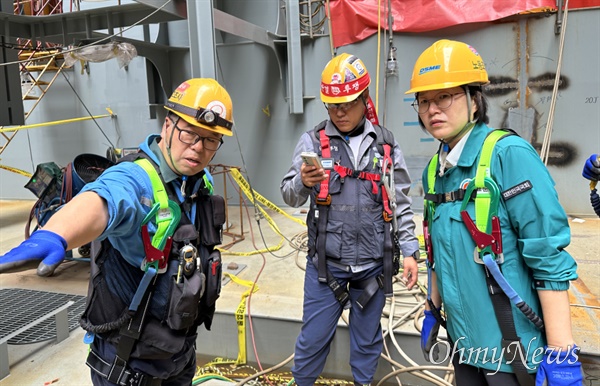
391	251
384	137
431	173
500	301
315	136
482	201
483	168
167	212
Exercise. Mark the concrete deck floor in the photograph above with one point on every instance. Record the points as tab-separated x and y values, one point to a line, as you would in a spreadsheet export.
279	279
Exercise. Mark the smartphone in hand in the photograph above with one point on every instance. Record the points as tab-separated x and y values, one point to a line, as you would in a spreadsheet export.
311	159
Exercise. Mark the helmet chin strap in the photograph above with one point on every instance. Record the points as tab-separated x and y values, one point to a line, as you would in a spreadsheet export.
468	126
184	177
168	145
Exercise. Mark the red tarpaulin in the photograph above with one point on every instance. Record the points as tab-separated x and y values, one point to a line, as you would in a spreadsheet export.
355	20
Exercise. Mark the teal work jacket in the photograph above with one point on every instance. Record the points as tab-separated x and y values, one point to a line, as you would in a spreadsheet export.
535	231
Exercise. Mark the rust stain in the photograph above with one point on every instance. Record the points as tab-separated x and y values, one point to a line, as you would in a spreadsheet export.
582	292
585	315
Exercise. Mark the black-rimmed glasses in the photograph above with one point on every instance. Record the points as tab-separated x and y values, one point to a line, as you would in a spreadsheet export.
442	100
191	138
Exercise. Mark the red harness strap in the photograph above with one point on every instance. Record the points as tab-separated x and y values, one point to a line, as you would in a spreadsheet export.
344	172
324	198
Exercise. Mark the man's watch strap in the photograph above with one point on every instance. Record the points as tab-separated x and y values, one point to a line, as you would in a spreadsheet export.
416	255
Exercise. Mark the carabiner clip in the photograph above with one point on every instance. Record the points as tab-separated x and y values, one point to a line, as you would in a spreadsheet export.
167	220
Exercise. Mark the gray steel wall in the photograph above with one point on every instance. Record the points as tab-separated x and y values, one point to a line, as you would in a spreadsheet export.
521	57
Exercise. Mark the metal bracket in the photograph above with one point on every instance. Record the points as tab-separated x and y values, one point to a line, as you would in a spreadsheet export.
559	17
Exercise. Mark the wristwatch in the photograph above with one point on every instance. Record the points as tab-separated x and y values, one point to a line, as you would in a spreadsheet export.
416	255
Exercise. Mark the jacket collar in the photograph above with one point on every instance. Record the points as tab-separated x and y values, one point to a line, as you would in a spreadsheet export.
474	145
150	147
331	130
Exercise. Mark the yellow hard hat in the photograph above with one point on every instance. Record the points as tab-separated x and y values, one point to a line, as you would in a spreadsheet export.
203	102
447	64
344	78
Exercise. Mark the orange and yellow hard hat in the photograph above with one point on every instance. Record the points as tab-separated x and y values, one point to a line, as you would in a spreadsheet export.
343	79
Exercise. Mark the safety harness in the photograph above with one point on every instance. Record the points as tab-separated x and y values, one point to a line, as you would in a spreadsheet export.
391	253
487	235
166	215
193	293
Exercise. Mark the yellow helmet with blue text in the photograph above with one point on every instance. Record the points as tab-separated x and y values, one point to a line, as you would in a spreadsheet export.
447	64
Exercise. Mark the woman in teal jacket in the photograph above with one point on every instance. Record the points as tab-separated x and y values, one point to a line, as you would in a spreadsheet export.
532	262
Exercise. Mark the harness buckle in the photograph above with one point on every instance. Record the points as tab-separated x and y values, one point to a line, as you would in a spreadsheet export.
387	217
499	258
323	201
449	197
379	279
341	294
343	297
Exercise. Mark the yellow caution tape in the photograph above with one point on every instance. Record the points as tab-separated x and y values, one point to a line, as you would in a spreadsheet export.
237	176
51	123
220	361
421	239
240	316
15	170
256	198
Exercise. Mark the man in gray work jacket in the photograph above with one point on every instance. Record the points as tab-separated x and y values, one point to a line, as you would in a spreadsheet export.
359	221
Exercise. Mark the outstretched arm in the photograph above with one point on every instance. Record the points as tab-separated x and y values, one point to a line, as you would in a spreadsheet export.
80	221
77	223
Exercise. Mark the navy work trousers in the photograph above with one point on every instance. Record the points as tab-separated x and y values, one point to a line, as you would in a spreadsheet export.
321	314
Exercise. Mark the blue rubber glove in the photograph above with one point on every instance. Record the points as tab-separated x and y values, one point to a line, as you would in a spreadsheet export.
591	168
42	245
429	334
560	368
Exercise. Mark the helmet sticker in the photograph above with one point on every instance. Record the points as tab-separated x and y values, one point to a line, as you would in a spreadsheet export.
473	50
359	67
217	107
336	78
349	75
182	87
